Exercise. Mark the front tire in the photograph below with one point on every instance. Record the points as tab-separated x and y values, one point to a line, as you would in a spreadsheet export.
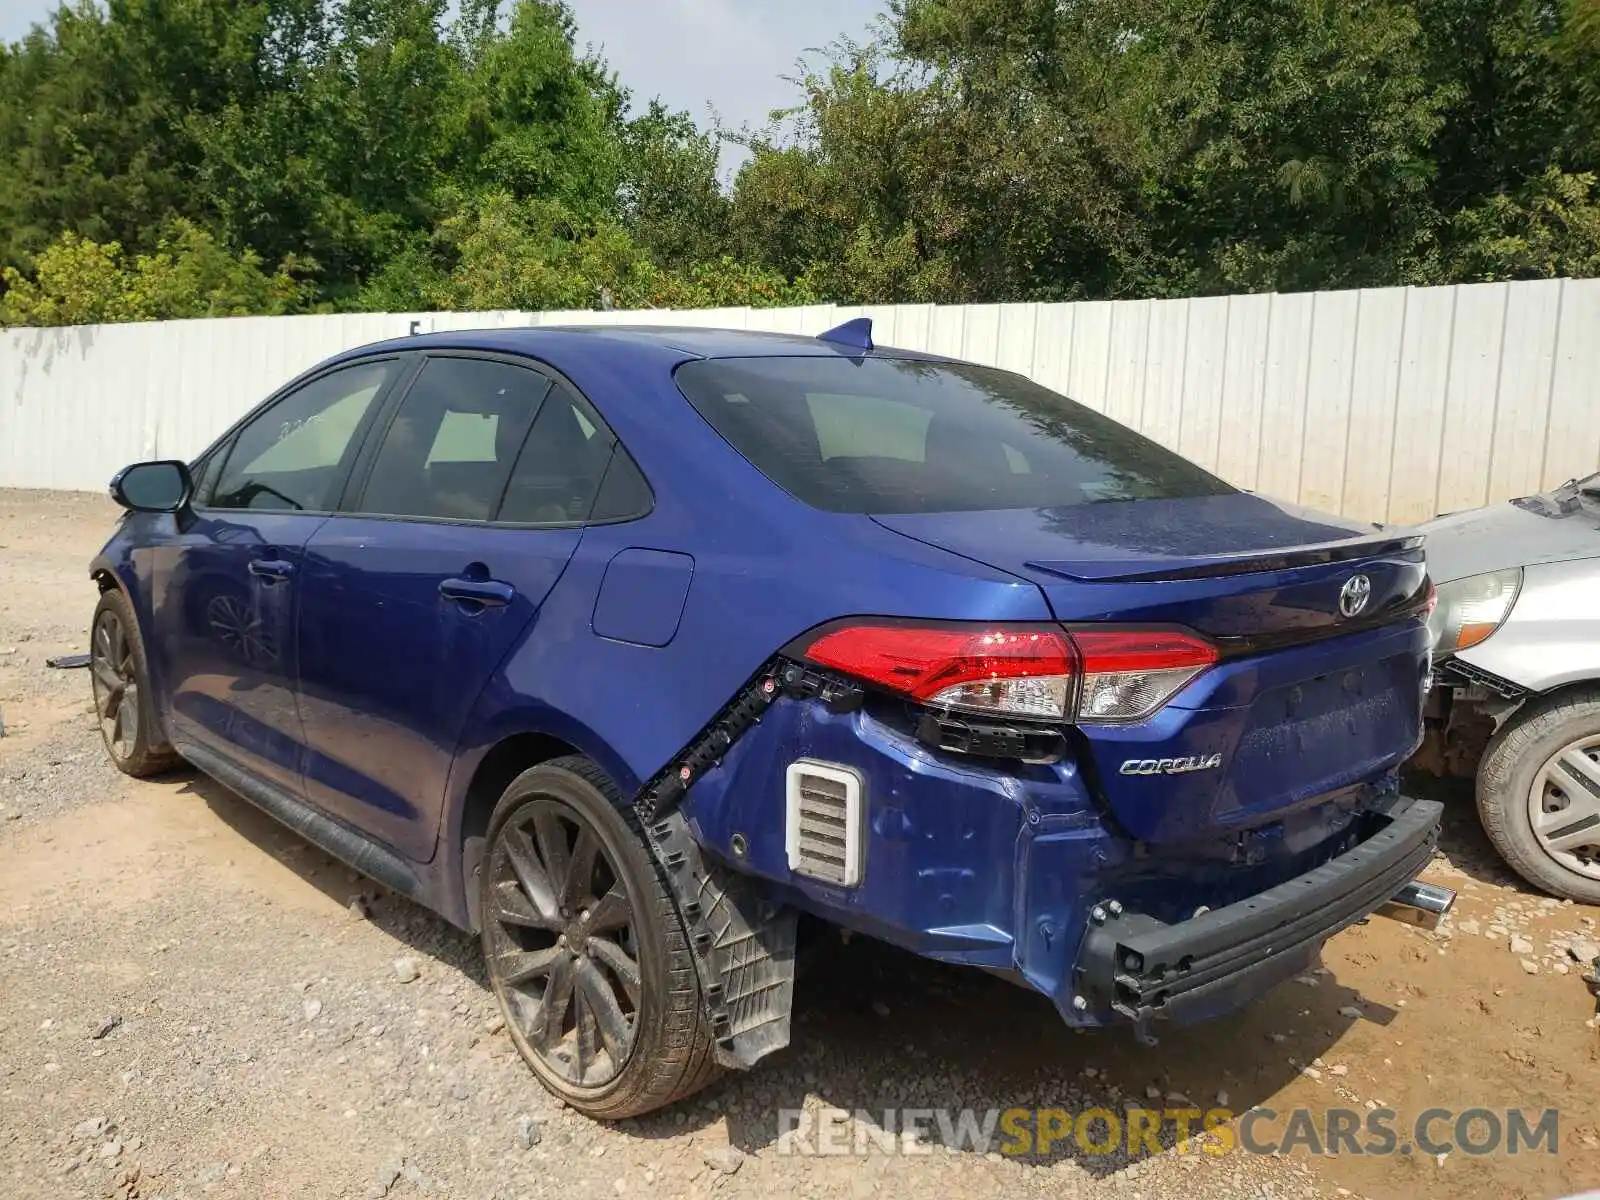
585	949
1539	795
120	680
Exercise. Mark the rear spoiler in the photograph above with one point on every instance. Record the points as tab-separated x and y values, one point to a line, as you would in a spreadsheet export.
1126	570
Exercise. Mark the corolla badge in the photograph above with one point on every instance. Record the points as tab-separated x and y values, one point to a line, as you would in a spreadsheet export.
1353	596
1171	766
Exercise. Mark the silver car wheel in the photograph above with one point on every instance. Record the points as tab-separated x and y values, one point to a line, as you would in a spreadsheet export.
1564	807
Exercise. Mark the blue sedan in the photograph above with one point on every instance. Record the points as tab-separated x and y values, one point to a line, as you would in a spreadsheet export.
622	647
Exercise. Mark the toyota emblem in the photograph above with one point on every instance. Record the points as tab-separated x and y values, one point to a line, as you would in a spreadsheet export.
1354	595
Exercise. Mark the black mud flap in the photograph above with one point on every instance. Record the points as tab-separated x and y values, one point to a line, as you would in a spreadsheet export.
742	941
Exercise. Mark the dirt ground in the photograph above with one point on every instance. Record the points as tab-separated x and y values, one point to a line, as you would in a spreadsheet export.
189	1006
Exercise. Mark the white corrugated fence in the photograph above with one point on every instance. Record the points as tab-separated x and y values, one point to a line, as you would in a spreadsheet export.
1386	403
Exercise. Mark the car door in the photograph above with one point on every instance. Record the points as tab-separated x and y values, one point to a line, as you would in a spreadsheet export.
461	518
227	582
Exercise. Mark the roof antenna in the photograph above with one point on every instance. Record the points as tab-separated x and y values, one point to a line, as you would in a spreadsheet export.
855	333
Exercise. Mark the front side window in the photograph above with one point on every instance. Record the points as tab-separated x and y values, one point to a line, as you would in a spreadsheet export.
293	457
450	448
883	435
206	469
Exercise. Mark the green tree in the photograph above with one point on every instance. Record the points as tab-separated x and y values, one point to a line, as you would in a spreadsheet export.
495	251
78	282
1295	150
534	119
331	130
670	200
417	154
1547	229
1027	149
95	110
337	156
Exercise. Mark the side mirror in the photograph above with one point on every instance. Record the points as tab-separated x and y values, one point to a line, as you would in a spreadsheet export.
162	486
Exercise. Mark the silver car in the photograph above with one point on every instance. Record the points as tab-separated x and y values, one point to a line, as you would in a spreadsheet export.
1516	694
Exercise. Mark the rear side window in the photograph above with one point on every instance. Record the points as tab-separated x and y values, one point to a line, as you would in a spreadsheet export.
450	449
624	494
881	435
561	467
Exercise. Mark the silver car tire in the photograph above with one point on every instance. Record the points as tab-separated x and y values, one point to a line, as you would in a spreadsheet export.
1539	795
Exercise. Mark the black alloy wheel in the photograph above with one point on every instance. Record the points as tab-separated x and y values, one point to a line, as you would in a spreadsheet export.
585	947
119	680
567	961
116	685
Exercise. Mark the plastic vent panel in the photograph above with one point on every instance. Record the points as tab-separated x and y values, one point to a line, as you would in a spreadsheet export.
824	810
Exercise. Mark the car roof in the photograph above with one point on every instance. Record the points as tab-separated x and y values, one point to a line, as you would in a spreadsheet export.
669	345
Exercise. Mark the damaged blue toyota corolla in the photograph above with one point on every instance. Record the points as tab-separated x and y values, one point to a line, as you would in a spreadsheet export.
622	647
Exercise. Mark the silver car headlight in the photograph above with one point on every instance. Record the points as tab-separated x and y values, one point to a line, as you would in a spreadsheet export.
1469	610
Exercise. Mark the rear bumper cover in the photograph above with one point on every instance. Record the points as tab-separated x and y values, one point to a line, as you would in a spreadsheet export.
1140	968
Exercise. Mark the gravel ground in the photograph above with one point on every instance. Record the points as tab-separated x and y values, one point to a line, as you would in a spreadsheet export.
190	1004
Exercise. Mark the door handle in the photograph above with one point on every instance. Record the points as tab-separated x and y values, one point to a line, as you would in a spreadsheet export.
491	593
271	570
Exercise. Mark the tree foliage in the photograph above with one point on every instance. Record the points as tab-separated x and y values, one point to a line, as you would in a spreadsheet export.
1031	149
496	251
78	282
178	157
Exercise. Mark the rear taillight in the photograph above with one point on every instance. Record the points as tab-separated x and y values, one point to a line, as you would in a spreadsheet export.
1085	674
1022	672
1129	673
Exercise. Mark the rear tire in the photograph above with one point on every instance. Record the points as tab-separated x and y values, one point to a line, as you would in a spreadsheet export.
120	681
1539	795
585	949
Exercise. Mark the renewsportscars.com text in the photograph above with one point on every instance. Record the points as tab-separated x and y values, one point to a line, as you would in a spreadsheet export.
1135	1131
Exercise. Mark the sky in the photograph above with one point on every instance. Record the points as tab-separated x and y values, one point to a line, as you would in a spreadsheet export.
726	56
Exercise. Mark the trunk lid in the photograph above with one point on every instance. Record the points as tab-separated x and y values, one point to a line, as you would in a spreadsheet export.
1309	701
1231	566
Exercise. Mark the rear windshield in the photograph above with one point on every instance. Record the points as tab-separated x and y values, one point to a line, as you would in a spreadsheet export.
885	435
